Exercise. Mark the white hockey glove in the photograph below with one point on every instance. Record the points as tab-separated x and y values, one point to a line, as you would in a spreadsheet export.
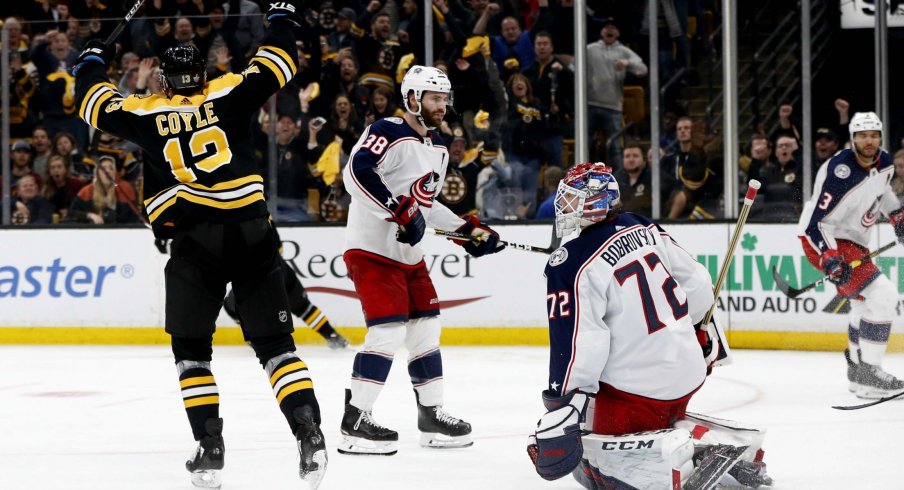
712	341
555	448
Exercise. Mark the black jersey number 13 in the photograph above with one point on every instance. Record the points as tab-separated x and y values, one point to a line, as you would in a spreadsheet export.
199	145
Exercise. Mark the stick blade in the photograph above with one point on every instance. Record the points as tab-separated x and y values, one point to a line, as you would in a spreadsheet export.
784	286
870	404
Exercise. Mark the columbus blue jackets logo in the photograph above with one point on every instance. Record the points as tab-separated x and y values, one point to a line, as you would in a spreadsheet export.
423	190
870	216
559	256
842	171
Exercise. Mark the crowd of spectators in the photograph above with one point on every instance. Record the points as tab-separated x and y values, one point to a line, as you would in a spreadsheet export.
510	135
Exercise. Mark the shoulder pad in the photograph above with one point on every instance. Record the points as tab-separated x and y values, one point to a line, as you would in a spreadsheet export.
391	129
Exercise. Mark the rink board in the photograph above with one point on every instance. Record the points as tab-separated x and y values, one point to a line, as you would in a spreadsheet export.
96	286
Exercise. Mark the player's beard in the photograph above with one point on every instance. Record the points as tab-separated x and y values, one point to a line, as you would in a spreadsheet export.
866	153
433	118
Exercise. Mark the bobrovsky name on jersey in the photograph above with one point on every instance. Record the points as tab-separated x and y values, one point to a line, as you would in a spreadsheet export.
59	279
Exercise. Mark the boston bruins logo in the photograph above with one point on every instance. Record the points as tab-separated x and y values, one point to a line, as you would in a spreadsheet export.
455	188
386	58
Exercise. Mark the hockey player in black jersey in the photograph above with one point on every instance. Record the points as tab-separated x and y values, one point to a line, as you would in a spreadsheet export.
301	306
205	194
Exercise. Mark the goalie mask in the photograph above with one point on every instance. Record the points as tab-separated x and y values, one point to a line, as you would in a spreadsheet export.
182	70
588	194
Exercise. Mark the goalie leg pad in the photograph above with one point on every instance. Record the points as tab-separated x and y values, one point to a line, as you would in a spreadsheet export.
649	460
710	431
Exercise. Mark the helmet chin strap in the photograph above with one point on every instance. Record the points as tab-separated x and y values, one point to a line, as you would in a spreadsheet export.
418	115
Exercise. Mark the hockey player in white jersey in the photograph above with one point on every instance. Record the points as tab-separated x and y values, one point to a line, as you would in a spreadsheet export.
850	191
628	351
394	175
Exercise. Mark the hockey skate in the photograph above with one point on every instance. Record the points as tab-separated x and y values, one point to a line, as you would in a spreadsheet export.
336	341
751	474
311	447
209	458
873	382
441	430
711	464
851	370
361	434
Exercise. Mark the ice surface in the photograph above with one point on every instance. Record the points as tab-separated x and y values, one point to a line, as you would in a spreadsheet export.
111	417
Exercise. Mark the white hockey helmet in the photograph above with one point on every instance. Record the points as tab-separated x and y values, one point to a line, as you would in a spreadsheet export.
422	79
864	121
586	195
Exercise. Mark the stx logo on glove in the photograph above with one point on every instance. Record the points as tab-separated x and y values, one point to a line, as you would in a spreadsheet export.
283	5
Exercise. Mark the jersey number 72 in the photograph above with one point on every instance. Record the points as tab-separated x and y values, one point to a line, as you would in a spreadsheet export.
649	296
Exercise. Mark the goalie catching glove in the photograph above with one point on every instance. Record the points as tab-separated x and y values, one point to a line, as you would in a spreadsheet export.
556	448
484	239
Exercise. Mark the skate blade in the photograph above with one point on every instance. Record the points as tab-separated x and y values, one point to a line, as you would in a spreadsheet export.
870	393
436	440
366	447
337	345
206	479
316	474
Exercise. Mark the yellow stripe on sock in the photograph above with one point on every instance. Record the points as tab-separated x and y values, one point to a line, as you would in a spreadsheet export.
308	319
201	380
292	388
319	324
204	400
295	366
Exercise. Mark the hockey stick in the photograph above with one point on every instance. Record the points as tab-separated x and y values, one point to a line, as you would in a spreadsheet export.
752	187
870	404
793	292
517	246
119	192
838	305
123	23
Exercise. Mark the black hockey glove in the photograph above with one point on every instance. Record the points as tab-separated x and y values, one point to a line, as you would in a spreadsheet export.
406	212
897	220
835	267
95	52
284	11
484	239
556	448
162	245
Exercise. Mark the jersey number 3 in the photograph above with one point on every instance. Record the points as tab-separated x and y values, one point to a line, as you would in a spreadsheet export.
648	300
200	143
